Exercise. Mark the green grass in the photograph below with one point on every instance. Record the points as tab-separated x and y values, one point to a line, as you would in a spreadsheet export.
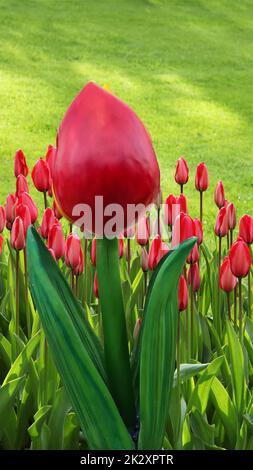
186	68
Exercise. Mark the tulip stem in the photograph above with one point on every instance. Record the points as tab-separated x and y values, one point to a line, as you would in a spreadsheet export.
129	256
28	320
249	295
17	293
228	241
114	329
192	312
182	188
235	306
85	248
201	206
231	237
178	353
73	282
45	199
229	309
145	274
240	310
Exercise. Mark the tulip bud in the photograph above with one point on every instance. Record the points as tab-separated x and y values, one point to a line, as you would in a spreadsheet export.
41	176
201	178
129	232
72	251
194	255
155	252
56	240
47	221
137	328
1	243
57	213
198	230
227	279
240	259
78	270
121	246
94	252
144	260
51	251
9	209
20	166
246	228
26	199
219	195
95	285
17	239
22	211
183	228
21	185
221	226
182	171
2	218
181	200
182	294
143	231
168	210
194	276
50	156
231	214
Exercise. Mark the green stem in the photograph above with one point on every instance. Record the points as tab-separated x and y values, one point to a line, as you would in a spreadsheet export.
45	199
192	313
182	188
85	249
201	206
235	306
240	311
129	256
114	326
231	237
17	293
178	354
249	295
229	309
28	319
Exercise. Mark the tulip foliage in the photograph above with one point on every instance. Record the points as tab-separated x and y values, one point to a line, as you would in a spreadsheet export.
140	341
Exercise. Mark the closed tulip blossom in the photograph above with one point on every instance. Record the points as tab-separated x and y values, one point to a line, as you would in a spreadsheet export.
94	252
51	251
41	176
20	166
143	231
246	228
56	240
89	147
1	243
198	230
227	279
21	185
17	239
181	200
27	200
144	260
194	277
72	251
129	232
95	285
155	252
170	202
9	210
2	218
201	177
219	195
240	259
194	255
121	246
22	211
48	221
78	270
183	228
182	294
50	157
182	172
221	226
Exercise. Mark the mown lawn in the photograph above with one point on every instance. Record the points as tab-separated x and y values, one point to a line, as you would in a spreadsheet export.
186	67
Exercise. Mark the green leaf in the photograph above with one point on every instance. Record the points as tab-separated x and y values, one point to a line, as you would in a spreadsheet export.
60	408
237	369
73	349
225	409
8	394
187	371
20	365
158	347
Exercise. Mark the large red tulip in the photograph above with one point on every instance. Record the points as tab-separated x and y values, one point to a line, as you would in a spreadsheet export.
246	228
227	279
26	199
41	176
103	149
20	166
2	218
240	258
56	240
17	239
182	294
182	172
219	195
21	185
183	228
221	226
201	177
48	220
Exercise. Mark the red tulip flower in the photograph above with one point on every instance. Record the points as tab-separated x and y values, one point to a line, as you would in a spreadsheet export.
227	279
2	218
181	200
80	267
246	228
95	285
41	176
201	178
240	259
72	251
104	150
21	185
144	260
50	156
198	230
221	226
193	256
129	232
94	252
48	221
56	240
17	239
194	277
219	195
183	228
1	243
57	213
21	210
231	214
182	294
51	251
9	209
168	210
121	246
143	231
20	166
26	199
182	172
155	252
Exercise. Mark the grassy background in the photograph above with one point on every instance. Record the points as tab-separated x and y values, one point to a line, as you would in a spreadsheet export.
184	66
